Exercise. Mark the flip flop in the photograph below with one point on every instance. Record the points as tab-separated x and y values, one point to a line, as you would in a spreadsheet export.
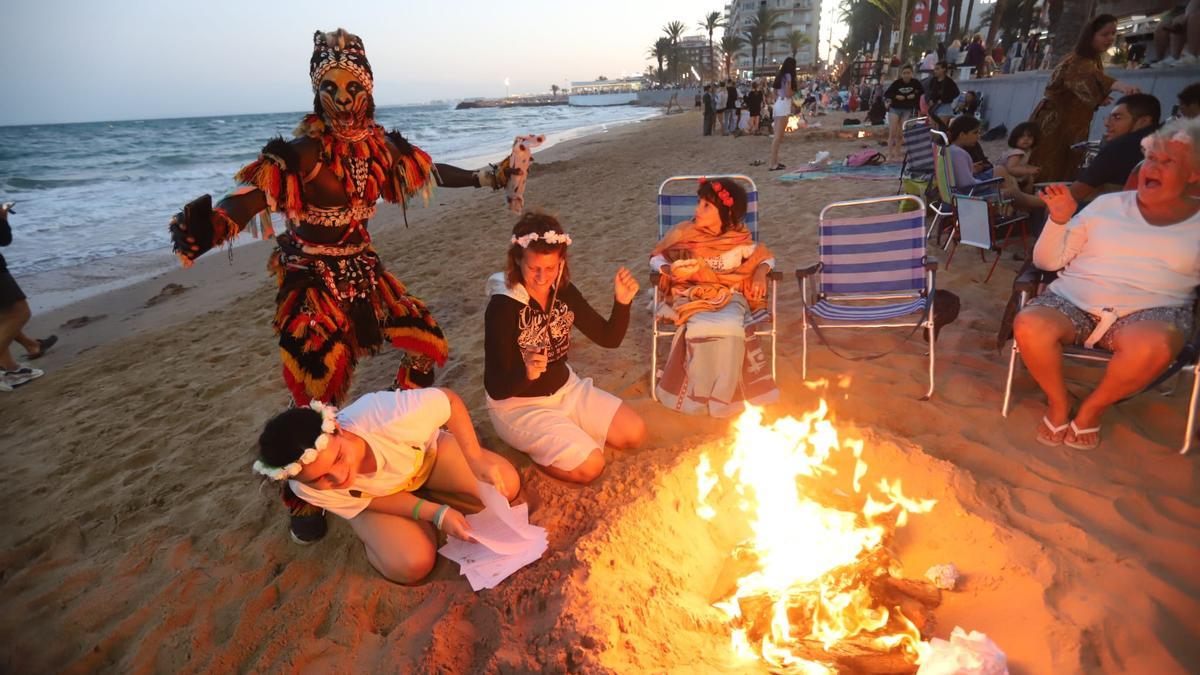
44	345
1057	433
1075	433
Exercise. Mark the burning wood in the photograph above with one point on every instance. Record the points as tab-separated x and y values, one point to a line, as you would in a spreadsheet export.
813	588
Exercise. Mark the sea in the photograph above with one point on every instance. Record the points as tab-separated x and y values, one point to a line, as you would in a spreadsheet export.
100	190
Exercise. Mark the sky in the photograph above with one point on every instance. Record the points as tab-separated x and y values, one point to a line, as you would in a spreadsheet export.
101	60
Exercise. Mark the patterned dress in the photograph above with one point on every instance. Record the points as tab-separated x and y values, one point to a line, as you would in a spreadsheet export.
1077	87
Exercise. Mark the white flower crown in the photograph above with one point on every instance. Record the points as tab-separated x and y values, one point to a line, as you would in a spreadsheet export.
329	427
550	237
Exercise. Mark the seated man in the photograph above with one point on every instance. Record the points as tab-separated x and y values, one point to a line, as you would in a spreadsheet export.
1127	275
1133	118
1189	101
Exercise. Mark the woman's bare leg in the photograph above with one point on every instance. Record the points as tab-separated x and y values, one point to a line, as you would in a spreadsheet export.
627	429
11	322
1141	351
452	474
584	473
1040	333
399	548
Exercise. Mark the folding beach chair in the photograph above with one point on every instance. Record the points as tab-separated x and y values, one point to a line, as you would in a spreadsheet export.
873	273
980	224
945	210
1030	282
676	208
916	172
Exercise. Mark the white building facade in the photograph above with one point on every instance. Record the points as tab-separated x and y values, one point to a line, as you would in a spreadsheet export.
801	15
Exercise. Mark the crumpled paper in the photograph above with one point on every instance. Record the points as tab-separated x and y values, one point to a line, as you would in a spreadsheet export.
944	577
964	654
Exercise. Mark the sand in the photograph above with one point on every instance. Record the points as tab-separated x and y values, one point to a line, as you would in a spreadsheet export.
141	542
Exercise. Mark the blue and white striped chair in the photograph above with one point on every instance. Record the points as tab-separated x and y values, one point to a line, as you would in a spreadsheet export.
873	274
676	208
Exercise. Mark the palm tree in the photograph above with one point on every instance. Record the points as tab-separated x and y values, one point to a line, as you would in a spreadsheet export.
674	31
554	89
1068	19
763	24
659	52
997	19
711	22
730	45
796	41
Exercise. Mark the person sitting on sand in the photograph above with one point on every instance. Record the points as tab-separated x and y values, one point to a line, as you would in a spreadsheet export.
713	275
1127	274
537	403
365	462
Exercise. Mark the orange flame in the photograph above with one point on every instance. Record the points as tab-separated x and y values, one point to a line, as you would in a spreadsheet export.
804	548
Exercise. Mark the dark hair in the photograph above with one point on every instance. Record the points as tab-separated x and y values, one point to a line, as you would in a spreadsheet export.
540	222
944	65
731	216
961	125
288	435
1190	94
1142	105
1084	48
907	66
788	67
1022	129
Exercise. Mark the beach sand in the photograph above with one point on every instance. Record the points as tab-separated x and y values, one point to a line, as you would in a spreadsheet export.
141	542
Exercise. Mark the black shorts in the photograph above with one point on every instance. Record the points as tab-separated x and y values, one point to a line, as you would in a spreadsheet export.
10	292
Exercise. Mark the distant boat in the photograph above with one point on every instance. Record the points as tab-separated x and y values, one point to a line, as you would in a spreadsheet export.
605	92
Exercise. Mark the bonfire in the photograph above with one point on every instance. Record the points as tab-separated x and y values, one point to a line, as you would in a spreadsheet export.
815	588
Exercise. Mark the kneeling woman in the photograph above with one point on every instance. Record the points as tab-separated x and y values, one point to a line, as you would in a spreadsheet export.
364	463
714	275
537	403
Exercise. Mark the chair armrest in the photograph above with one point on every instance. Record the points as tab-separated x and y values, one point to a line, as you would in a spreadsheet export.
984	184
1029	278
775	275
931	265
805	272
654	277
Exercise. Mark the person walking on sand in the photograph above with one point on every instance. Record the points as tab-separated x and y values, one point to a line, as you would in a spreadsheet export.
336	301
785	88
14	314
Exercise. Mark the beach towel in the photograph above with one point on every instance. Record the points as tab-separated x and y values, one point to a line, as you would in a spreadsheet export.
869	172
518	163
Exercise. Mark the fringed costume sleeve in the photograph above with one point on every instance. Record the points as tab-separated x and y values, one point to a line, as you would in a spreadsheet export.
412	172
276	173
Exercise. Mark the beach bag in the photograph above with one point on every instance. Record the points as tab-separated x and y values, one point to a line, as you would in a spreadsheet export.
865	157
995	133
946	306
851	122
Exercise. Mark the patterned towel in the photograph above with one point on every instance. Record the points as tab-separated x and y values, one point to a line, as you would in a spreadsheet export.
519	161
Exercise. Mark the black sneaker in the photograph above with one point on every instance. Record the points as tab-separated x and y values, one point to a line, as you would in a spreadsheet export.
307	530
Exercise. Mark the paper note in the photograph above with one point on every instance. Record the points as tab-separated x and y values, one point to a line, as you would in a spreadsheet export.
505	541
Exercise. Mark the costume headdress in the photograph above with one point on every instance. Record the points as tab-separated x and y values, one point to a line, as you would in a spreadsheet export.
721	191
329	427
549	236
339	49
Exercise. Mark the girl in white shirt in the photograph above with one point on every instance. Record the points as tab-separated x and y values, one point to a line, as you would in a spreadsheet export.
1128	264
364	463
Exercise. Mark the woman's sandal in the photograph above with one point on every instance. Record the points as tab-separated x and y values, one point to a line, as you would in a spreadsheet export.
777	167
1057	433
44	345
1074	434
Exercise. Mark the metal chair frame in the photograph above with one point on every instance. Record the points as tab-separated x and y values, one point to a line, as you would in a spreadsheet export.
925	321
658	326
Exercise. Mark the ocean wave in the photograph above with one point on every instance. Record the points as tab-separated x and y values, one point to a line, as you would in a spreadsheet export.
22	183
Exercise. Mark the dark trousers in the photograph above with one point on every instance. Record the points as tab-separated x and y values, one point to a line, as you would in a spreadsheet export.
709	120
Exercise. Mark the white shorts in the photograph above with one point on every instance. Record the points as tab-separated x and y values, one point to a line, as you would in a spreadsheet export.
558	430
782	107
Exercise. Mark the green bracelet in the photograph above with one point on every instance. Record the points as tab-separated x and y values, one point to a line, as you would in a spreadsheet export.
417	509
437	517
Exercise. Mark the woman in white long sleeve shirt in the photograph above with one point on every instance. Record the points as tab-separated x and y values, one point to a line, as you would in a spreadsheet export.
1129	265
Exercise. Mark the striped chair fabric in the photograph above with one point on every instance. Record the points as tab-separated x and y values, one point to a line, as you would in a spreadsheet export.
872	255
918	150
674	209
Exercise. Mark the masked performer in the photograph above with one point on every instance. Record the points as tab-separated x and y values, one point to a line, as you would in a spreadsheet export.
336	302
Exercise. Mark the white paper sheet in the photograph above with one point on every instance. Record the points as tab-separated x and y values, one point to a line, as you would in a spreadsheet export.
505	541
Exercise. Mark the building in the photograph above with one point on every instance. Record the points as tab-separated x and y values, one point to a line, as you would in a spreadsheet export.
693	51
801	15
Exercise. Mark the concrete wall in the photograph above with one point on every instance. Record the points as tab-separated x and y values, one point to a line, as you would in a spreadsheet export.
1010	99
660	97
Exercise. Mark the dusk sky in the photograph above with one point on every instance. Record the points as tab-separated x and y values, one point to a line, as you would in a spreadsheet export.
132	59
